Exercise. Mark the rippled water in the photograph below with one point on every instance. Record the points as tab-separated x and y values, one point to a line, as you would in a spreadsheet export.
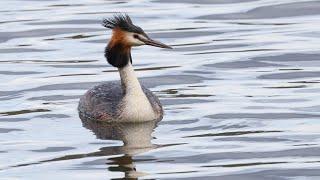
240	90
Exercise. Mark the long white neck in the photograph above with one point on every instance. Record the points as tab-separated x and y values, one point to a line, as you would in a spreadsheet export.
129	80
135	104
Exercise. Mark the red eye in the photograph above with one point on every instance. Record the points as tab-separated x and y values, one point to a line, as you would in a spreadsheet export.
135	36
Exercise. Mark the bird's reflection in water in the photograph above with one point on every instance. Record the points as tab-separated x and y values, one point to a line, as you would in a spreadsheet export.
136	138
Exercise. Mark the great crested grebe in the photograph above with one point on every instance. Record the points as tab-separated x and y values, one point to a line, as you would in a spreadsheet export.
128	100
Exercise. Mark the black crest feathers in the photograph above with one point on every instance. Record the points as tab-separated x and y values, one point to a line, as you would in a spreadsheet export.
121	21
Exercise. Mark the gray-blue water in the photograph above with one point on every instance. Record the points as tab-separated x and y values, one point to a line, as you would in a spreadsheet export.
240	90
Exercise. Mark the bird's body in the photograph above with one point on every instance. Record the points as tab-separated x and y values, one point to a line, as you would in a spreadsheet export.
121	101
126	100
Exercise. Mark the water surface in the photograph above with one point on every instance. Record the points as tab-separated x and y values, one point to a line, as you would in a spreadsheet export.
240	90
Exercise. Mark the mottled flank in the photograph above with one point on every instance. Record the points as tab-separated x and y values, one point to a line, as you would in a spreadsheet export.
102	102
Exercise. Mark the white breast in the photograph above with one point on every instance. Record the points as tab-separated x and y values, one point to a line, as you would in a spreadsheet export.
136	107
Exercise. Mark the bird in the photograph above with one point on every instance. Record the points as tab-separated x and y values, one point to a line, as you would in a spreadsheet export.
125	100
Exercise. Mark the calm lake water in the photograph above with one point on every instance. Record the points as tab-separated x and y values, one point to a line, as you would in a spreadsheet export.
240	90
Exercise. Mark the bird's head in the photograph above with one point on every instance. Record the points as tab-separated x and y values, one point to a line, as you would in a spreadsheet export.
125	35
128	34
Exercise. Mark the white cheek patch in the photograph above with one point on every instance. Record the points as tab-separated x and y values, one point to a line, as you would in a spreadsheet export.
133	41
